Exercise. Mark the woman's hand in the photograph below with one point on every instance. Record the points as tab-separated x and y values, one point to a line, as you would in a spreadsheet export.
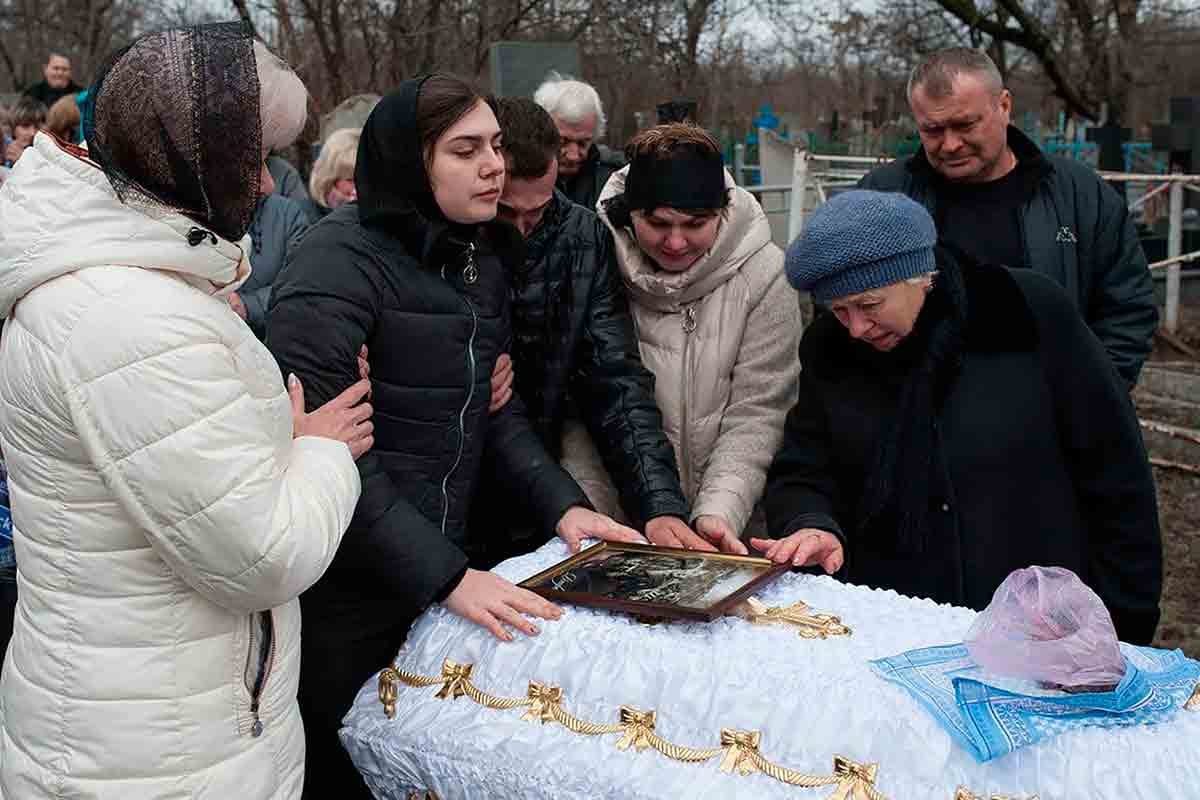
580	523
720	533
237	304
492	602
674	532
344	418
804	548
502	380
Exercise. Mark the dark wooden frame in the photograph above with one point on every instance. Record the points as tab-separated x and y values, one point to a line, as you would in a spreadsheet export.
653	611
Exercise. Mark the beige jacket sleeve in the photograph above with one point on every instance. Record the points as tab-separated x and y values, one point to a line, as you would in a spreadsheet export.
765	385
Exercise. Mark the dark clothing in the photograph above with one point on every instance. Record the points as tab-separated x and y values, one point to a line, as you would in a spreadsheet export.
984	219
1076	230
277	225
430	300
48	96
1038	458
575	351
585	186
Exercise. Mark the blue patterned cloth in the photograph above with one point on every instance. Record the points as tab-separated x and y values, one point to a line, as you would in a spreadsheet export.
1002	715
7	556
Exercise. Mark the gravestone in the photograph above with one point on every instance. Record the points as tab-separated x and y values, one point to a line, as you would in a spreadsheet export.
1109	139
519	68
350	113
676	111
1180	138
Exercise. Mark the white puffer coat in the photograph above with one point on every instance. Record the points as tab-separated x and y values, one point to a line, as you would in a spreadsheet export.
165	520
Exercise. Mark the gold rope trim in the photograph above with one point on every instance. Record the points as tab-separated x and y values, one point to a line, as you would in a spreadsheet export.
810	625
739	749
964	793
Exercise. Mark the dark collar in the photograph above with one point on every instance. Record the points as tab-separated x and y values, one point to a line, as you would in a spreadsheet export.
998	320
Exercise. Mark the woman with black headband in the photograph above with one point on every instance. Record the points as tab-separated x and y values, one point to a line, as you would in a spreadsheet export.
413	270
716	320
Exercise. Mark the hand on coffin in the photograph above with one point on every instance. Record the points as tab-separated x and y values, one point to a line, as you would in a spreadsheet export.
804	548
720	533
492	602
580	523
674	532
502	380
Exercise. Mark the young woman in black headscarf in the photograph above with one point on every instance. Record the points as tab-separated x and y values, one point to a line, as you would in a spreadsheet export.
413	270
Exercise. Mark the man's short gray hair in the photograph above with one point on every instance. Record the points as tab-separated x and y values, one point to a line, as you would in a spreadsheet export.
936	73
571	100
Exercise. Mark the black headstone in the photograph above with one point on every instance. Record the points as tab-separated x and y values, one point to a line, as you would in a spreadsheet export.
1180	138
1110	136
676	111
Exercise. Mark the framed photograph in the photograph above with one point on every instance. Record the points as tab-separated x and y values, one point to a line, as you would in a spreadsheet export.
655	582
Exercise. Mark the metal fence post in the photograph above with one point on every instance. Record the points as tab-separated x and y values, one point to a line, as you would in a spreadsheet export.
799	190
739	164
1174	248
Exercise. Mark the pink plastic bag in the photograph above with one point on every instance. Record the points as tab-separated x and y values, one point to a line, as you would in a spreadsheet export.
1044	624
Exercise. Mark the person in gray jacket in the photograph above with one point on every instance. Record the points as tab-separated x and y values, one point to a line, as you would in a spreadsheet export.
277	224
996	198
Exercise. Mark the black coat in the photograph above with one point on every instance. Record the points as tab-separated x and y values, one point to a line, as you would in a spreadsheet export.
430	300
575	345
1040	458
585	186
1078	232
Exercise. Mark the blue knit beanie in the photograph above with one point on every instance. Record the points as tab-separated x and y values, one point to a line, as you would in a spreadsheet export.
861	240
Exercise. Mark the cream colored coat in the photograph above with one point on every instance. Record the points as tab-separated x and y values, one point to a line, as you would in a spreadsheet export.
162	510
722	340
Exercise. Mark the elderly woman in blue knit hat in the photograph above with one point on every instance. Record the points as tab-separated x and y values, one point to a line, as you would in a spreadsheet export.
955	422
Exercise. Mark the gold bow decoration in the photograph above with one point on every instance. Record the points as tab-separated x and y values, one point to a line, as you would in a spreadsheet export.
809	625
738	747
637	728
456	678
1193	702
855	781
544	701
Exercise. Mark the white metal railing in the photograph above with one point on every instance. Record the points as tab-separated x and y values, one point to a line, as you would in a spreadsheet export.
807	174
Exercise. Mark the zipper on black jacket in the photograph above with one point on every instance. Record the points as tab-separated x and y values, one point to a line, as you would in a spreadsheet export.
462	414
259	665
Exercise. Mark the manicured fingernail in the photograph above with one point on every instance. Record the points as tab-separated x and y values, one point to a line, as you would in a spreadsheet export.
292	379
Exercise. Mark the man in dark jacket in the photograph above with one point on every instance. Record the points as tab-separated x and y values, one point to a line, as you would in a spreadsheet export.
583	166
574	347
996	197
57	84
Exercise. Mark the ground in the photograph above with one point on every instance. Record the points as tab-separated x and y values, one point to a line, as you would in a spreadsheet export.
1179	509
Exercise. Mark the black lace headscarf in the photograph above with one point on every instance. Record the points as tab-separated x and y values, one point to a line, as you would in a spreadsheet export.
173	120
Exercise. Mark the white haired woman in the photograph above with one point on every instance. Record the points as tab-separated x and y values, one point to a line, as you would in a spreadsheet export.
331	184
584	166
955	425
171	501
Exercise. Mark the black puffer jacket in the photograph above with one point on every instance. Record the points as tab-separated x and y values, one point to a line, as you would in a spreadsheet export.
575	346
1078	232
430	300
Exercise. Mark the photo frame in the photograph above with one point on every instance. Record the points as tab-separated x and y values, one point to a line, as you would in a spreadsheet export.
655	582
